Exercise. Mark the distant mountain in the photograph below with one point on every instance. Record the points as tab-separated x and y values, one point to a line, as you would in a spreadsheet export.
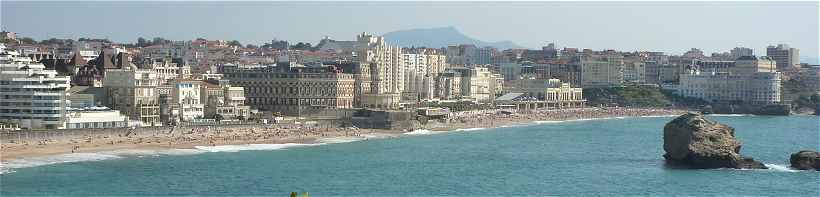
440	37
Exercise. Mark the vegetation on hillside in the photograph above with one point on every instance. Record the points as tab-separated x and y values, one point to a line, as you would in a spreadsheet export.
801	94
637	96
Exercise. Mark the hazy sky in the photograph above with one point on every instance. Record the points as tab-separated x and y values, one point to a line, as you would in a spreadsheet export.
672	27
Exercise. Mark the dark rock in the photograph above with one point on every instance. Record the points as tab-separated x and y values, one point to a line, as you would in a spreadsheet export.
774	110
692	140
805	160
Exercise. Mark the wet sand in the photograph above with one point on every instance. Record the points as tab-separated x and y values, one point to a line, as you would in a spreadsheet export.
173	138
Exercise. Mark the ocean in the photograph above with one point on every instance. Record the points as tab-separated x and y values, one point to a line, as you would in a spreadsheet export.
608	157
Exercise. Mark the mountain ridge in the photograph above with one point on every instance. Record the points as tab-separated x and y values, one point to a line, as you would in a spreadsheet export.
439	37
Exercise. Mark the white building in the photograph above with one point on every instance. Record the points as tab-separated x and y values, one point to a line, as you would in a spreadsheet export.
476	83
95	118
421	70
186	95
749	81
383	70
31	96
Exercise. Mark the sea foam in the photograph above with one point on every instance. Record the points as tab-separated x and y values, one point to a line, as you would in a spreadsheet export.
336	140
471	129
419	132
780	168
237	148
7	167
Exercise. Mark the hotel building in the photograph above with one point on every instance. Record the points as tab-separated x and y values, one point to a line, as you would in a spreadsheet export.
293	92
749	80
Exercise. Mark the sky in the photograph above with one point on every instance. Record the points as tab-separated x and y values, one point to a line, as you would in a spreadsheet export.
672	27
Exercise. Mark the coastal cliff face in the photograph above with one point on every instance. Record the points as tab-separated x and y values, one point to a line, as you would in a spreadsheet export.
693	141
805	160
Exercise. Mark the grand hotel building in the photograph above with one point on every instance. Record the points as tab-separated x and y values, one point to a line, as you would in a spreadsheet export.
293	91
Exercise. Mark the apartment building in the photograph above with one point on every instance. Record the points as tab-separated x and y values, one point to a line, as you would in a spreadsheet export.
223	100
476	83
421	68
602	70
32	97
135	93
382	66
785	56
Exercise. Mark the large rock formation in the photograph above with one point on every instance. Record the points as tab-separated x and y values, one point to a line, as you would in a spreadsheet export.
805	160
693	141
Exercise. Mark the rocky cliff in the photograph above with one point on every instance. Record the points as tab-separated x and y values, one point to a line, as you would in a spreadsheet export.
693	141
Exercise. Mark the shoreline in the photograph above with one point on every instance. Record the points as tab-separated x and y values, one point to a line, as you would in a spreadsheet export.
260	137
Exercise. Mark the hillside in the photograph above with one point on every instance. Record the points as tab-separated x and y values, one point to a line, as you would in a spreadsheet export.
637	96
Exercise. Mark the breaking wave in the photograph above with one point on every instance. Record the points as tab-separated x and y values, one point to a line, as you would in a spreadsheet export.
237	148
780	167
419	132
8	167
471	129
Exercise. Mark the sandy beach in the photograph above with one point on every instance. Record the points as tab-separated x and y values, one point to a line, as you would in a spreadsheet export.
190	138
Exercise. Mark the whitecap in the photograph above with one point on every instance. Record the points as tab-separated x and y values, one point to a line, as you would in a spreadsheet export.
471	129
53	159
549	121
419	132
780	168
237	148
336	140
143	152
368	136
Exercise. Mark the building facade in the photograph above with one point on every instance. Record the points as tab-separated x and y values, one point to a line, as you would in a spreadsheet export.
32	97
785	56
749	80
383	69
293	92
602	70
135	93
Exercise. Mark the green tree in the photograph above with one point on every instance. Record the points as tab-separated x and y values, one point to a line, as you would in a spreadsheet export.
141	42
52	41
235	43
27	40
301	46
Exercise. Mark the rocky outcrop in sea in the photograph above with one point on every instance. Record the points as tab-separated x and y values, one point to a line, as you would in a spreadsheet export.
692	141
805	160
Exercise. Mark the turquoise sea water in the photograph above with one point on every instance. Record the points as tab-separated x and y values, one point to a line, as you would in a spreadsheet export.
576	158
